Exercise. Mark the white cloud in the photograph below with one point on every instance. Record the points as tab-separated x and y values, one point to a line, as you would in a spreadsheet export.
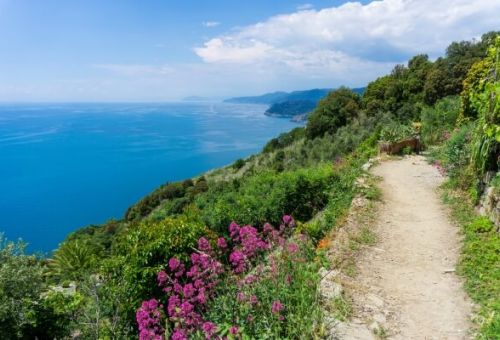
354	34
210	23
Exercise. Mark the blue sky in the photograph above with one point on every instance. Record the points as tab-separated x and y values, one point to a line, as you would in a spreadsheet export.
164	50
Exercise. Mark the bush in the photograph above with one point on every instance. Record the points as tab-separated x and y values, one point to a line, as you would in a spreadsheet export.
143	250
264	196
438	121
24	312
238	164
230	291
284	140
457	151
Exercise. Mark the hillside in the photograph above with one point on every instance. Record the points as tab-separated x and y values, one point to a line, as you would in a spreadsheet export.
241	251
296	104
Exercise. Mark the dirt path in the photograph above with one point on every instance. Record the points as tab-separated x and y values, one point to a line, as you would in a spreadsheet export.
406	287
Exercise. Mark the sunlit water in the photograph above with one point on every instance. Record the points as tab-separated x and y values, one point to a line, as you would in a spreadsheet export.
67	166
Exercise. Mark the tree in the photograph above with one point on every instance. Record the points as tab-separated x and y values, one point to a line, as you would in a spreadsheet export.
332	112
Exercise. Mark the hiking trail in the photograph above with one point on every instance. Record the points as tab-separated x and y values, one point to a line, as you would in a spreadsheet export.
406	286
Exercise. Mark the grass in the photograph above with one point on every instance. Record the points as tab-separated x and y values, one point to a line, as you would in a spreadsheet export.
479	262
340	308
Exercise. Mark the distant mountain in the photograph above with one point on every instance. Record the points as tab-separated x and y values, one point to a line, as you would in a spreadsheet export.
291	108
296	104
195	99
268	98
278	97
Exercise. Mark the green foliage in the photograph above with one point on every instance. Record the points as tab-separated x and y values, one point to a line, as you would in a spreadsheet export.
395	132
479	262
401	92
141	253
485	100
291	108
447	74
74	260
290	279
456	152
263	198
284	140
439	120
337	109
21	283
238	164
24	312
151	201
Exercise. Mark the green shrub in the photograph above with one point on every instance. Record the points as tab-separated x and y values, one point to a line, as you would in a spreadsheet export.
262	197
335	110
439	120
238	164
291	282
395	132
284	140
481	225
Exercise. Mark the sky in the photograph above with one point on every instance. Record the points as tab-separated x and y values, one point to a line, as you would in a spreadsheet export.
163	50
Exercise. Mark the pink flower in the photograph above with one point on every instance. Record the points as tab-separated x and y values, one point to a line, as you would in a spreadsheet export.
173	264
292	248
221	243
237	259
277	307
267	228
209	329
240	296
233	330
204	245
254	300
250	318
179	334
188	290
149	321
162	278
234	230
287	219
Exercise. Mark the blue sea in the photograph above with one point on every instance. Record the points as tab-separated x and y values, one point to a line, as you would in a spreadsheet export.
64	166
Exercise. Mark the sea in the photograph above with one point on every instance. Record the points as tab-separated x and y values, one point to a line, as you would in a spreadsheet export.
65	166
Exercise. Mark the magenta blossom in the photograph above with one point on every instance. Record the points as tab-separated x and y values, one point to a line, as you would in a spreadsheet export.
233	330
287	219
179	334
173	264
204	245
209	329
149	321
277	307
292	248
254	300
221	243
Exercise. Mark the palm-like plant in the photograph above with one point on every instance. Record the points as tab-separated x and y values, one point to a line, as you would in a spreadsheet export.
73	260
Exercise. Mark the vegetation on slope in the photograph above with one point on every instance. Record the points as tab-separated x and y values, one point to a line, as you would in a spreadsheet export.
107	282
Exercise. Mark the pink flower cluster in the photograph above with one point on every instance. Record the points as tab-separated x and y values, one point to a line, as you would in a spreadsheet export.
149	320
188	290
